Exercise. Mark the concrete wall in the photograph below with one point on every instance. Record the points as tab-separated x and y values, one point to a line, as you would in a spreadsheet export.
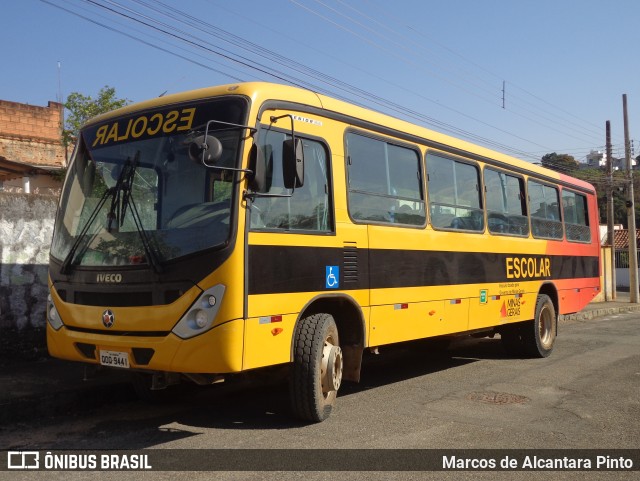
26	228
606	286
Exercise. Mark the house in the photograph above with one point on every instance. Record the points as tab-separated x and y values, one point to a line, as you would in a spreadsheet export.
31	150
597	159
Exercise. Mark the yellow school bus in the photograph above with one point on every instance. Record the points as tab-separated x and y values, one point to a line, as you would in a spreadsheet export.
240	227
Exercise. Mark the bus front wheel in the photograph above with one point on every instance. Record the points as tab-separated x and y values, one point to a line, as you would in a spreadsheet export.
539	336
317	368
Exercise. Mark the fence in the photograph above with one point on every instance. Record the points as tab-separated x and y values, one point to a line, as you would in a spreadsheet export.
622	258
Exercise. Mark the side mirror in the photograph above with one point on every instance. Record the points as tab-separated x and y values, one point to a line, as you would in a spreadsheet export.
293	163
207	150
258	165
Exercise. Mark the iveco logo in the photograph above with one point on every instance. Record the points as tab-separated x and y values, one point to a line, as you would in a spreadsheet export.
108	318
109	278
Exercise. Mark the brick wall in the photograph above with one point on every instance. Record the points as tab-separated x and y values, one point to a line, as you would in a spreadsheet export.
31	134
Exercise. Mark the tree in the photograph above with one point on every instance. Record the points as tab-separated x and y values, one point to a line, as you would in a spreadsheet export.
563	163
81	108
599	179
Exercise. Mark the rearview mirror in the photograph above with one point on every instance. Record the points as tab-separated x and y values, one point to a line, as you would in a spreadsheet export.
206	150
258	167
293	163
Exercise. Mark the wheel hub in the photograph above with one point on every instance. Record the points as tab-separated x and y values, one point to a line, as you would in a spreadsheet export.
331	370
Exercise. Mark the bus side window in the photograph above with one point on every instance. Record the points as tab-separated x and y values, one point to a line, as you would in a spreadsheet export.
506	209
576	218
544	206
384	182
308	208
454	194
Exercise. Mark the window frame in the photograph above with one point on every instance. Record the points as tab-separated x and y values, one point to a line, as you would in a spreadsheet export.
530	211
331	222
481	208
586	217
524	202
421	172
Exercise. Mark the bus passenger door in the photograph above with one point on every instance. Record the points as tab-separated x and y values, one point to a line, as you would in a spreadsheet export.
293	253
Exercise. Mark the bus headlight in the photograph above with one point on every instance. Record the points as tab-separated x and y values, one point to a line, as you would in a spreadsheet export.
200	317
52	314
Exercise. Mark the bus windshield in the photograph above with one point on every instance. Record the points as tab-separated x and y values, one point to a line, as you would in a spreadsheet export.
133	194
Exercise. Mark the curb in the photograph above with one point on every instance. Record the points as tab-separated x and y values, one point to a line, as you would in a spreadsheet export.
600	312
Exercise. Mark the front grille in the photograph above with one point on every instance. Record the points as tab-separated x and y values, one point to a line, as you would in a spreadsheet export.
113	299
105	332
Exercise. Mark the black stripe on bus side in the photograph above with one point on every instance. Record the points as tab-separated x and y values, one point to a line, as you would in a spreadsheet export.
397	268
275	269
285	269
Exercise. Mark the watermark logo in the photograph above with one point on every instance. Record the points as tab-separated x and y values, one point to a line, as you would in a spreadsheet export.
23	460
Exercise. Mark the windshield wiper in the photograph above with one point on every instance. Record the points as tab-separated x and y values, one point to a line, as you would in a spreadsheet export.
114	193
66	264
150	250
125	185
123	182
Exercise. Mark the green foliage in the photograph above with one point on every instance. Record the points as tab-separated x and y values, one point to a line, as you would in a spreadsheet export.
598	178
563	163
81	108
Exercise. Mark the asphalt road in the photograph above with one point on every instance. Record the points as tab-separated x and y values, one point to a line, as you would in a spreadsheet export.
584	396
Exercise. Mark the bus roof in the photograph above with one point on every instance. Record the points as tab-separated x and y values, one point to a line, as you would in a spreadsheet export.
260	92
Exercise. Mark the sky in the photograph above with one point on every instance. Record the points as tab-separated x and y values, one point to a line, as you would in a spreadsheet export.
561	66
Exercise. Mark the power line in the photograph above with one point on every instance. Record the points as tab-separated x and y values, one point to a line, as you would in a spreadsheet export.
175	33
137	39
421	33
367	96
403	45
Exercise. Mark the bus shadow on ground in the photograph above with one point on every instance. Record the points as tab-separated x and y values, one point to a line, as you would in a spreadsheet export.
264	404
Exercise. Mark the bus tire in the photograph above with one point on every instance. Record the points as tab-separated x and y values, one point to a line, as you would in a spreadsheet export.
317	368
540	334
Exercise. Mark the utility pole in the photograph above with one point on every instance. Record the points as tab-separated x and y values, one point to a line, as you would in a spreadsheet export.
610	214
631	212
504	86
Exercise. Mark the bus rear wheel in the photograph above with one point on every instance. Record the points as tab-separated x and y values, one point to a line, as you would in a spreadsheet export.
317	368
539	336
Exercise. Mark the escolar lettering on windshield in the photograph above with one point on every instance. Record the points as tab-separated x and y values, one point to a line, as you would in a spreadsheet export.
144	126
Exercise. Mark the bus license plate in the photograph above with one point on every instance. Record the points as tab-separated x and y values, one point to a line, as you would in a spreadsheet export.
114	359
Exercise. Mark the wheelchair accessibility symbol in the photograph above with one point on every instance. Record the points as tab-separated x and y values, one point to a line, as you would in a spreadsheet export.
332	277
